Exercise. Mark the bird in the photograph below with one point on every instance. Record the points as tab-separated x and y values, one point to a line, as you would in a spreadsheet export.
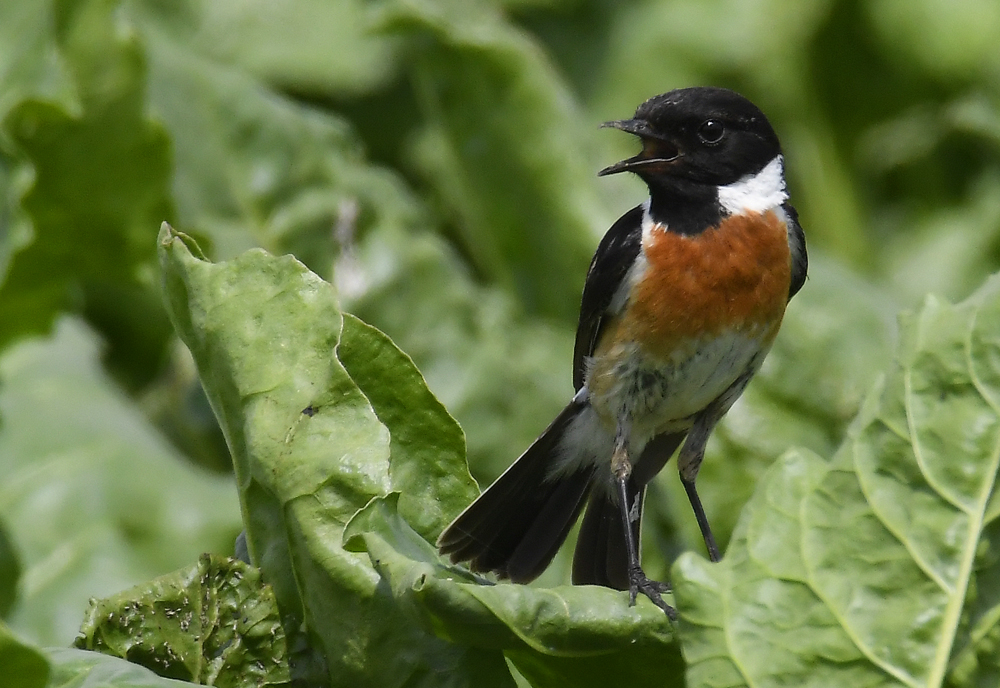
682	301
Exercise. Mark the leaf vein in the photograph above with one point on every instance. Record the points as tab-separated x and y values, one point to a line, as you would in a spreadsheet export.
953	611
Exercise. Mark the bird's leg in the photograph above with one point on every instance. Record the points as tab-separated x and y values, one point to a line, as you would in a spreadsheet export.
688	462
621	469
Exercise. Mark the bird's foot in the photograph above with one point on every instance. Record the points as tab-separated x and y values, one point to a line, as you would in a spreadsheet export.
639	582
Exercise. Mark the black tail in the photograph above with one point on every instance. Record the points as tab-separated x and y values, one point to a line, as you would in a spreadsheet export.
601	556
516	526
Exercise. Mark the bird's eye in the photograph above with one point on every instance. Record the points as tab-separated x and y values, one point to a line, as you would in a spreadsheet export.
711	131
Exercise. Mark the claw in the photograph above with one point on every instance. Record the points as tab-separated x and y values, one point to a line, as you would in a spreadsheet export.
639	582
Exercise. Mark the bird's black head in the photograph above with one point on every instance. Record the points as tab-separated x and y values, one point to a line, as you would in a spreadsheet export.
694	141
704	135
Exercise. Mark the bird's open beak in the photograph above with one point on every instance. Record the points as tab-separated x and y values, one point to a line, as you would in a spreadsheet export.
656	150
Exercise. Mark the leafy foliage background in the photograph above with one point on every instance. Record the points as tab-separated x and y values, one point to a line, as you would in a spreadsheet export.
436	161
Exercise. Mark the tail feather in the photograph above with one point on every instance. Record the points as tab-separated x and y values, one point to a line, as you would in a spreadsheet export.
516	526
549	529
601	555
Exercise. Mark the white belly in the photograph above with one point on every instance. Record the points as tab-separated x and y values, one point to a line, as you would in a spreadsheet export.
658	396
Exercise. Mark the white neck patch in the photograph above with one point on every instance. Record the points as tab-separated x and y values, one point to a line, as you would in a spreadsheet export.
648	225
756	193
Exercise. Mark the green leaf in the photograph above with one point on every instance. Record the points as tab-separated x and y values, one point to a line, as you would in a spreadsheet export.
310	452
880	567
427	446
263	332
93	498
23	665
84	669
214	623
101	174
567	635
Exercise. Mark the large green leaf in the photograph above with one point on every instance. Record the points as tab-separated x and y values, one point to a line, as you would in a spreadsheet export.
881	567
93	498
567	635
310	451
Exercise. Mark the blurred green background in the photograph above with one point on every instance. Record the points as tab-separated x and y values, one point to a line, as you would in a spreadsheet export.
436	160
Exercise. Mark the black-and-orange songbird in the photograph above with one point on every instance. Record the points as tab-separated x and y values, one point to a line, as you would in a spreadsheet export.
681	304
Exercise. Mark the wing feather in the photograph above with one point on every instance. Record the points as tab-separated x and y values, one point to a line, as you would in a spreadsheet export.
608	269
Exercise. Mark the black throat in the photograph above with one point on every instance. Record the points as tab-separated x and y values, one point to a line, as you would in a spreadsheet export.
683	207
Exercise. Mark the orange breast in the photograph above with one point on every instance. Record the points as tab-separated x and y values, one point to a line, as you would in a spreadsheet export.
734	276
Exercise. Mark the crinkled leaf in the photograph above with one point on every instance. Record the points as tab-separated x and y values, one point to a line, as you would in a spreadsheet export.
309	452
879	568
23	666
93	498
214	623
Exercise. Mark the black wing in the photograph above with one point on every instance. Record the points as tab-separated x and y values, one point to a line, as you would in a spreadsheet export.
797	247
615	255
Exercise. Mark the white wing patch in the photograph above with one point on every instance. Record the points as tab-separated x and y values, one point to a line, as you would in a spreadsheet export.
756	193
638	269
